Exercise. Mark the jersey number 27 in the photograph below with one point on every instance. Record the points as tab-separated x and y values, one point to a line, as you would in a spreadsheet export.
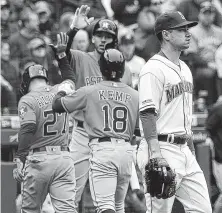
52	122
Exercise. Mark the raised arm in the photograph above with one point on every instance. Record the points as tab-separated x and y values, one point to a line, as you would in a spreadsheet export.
80	21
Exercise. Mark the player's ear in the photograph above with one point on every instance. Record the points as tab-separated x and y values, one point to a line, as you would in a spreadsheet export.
93	40
165	34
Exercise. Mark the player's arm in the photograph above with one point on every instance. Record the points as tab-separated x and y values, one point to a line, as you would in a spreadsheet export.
148	119
69	102
27	130
66	71
80	21
150	94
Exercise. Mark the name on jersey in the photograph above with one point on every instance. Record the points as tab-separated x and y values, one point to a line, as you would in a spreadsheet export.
93	80
44	99
114	95
175	90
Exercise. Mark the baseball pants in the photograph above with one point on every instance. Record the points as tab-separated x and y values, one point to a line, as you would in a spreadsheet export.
110	173
191	190
49	172
80	153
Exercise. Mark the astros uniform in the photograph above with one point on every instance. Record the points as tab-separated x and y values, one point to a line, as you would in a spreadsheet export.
87	71
110	114
168	89
49	167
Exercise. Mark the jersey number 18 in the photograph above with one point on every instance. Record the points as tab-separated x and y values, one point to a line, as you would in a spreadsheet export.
119	116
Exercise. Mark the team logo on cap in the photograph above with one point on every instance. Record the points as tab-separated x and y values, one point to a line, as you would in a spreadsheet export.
105	25
181	15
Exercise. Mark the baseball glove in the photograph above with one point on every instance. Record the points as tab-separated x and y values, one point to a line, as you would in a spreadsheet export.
160	179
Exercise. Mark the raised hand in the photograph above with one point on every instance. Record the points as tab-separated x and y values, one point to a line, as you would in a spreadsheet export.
80	19
62	40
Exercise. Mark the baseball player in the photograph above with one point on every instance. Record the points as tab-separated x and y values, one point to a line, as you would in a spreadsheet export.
87	72
110	112
44	164
165	104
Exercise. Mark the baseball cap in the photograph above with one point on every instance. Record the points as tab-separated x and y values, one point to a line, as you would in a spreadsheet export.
207	6
172	20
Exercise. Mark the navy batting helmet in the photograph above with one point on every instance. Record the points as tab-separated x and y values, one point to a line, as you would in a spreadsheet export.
31	72
112	64
106	25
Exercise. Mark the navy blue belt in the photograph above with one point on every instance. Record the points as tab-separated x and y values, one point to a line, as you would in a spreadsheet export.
173	139
107	139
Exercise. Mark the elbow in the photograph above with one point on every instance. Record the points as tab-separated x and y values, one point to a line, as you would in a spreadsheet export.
57	105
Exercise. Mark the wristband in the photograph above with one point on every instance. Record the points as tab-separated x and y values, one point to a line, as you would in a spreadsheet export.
61	55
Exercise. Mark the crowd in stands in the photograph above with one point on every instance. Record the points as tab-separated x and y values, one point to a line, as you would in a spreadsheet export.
28	26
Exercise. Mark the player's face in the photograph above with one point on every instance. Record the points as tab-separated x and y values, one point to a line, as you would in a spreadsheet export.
100	40
180	38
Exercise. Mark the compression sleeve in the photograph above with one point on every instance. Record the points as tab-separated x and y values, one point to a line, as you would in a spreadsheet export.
71	33
66	70
57	103
25	136
148	119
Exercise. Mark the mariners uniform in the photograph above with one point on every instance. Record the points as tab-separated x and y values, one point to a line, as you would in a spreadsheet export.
49	167
168	88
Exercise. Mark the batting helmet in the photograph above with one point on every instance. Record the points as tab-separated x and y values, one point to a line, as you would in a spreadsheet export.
106	25
112	64
31	72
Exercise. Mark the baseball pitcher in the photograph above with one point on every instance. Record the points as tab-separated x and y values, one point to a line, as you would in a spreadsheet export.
165	104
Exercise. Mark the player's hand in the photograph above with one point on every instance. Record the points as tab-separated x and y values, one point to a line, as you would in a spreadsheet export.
18	173
62	40
80	19
67	86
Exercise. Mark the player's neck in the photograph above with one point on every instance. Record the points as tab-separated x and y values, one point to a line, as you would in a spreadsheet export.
171	54
97	54
35	84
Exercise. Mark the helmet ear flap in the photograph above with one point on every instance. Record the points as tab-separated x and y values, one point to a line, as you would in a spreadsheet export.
112	45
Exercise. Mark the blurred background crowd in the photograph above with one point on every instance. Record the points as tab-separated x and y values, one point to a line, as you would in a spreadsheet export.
27	26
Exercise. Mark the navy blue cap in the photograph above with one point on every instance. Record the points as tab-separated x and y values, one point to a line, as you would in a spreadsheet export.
172	20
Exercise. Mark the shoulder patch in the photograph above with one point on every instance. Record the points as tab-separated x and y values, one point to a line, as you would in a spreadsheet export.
22	111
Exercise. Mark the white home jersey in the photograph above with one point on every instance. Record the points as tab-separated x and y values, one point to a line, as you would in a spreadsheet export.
167	88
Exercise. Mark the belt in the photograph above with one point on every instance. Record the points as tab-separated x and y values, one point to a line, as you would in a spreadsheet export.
173	139
80	124
106	139
42	149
